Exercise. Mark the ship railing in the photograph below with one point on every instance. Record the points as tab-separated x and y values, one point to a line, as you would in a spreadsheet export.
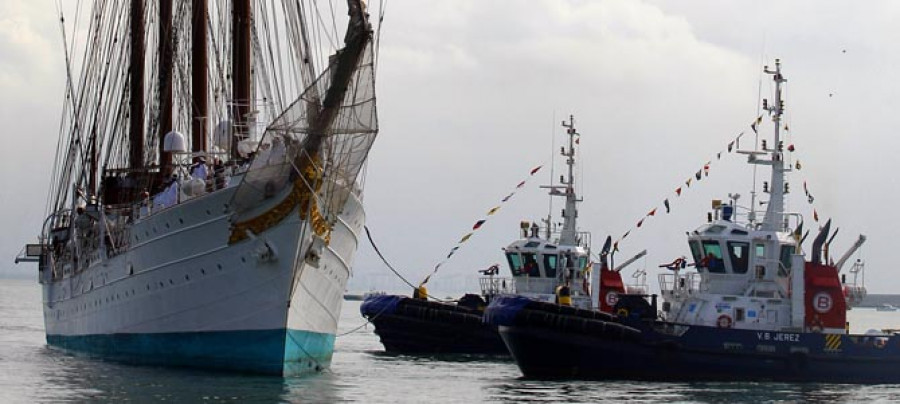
583	237
679	284
534	284
495	285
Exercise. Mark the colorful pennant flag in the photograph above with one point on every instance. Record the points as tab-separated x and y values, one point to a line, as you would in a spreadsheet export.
481	222
733	145
755	124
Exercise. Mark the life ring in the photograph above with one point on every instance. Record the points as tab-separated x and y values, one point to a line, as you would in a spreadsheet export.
724	321
622	312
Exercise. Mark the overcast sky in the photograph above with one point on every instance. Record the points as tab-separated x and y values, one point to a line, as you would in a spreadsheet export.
471	93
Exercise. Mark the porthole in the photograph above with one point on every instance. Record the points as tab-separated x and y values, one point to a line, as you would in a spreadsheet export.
187	277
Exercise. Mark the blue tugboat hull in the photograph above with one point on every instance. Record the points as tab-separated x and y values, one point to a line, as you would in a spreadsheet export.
562	348
412	326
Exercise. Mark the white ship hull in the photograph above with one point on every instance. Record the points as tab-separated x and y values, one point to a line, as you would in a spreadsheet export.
182	295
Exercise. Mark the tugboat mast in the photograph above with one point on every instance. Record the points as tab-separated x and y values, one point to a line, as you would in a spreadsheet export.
774	218
569	234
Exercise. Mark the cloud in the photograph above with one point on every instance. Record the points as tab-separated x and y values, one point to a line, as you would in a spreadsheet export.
27	52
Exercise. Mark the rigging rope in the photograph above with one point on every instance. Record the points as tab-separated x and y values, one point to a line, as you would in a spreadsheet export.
377	251
391	267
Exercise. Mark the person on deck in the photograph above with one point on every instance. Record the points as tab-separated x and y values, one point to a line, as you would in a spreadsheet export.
169	195
420	292
218	174
199	169
712	263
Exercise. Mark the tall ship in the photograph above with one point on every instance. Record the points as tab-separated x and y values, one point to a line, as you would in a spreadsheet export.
546	264
228	248
756	305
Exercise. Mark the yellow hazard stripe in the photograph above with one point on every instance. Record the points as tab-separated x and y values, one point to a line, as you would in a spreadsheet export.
832	342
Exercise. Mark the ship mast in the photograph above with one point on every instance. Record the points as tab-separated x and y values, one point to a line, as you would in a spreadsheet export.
199	79
358	34
240	77
136	95
774	218
165	80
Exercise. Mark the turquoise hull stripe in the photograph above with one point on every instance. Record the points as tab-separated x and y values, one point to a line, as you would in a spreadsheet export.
275	352
307	351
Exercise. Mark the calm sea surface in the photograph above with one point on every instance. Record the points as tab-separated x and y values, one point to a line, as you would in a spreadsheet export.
360	372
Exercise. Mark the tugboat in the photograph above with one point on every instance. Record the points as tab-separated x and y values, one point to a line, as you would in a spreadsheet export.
546	266
755	309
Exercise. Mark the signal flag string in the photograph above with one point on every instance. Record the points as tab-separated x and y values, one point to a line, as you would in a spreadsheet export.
479	223
697	177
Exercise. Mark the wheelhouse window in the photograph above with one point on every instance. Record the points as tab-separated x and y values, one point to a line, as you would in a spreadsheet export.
739	253
786	252
550	261
530	266
695	250
712	257
760	251
515	263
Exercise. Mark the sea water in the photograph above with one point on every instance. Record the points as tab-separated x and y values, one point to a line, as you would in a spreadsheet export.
30	371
